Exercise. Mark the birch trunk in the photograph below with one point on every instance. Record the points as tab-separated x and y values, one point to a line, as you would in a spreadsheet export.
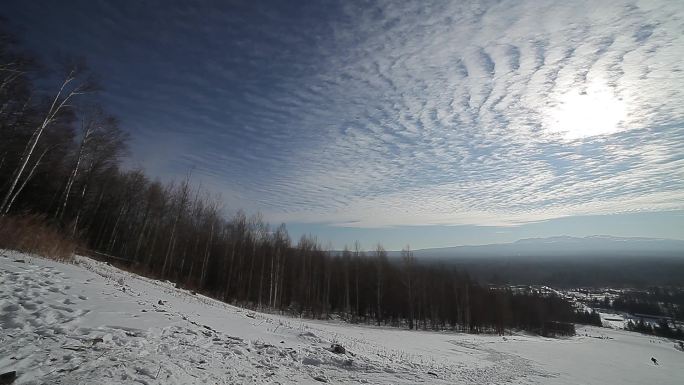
74	173
55	108
26	180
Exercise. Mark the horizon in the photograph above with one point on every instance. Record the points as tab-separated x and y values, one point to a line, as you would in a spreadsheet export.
430	124
526	241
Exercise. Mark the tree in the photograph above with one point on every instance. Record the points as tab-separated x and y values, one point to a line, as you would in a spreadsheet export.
408	262
71	87
380	264
26	180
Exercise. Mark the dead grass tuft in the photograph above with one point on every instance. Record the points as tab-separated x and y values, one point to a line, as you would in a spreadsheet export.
33	234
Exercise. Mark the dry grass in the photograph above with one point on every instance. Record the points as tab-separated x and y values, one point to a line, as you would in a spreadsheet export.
32	234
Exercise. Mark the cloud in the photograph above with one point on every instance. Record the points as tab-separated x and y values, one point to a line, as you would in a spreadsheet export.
401	113
451	112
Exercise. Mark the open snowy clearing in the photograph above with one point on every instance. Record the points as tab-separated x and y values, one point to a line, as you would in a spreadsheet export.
90	323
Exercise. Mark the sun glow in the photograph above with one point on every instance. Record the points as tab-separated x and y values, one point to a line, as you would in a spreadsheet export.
596	111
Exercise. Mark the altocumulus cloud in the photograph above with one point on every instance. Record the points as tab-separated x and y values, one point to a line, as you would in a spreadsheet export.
406	113
447	113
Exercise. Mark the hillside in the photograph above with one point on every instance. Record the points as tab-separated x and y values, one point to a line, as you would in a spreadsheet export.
88	322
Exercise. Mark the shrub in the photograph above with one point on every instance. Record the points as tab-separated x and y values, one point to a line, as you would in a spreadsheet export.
33	234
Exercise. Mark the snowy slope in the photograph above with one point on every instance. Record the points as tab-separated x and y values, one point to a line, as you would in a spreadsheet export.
91	323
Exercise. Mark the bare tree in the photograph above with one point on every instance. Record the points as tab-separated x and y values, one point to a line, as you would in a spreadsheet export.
408	261
212	213
346	256
381	260
67	91
26	180
181	203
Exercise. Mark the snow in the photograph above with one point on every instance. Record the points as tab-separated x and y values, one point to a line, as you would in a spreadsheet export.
88	322
613	320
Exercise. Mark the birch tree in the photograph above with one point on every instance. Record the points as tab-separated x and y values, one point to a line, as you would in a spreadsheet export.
26	180
408	261
87	128
70	88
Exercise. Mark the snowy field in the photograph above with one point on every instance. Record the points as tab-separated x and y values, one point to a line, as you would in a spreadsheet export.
90	323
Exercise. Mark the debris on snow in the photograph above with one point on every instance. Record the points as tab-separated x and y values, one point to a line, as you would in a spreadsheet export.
8	377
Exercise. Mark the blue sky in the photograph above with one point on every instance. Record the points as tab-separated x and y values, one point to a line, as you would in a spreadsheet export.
422	122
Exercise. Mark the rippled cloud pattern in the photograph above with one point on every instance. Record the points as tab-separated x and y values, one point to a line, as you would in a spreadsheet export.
372	114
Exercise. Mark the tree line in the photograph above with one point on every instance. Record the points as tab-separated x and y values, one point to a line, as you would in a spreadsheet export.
60	158
661	329
666	302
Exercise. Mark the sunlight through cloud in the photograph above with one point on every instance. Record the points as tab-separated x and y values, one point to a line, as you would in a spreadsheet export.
583	114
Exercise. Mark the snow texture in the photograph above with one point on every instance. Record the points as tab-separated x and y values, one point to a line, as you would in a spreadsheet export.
89	322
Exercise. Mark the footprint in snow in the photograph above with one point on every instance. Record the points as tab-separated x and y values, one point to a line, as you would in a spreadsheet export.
28	305
10	307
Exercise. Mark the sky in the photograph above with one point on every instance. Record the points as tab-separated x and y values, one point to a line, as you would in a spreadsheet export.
430	123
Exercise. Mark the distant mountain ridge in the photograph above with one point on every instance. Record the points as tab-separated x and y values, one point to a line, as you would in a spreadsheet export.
562	246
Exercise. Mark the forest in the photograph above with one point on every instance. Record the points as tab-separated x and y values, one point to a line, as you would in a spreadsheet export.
665	302
61	169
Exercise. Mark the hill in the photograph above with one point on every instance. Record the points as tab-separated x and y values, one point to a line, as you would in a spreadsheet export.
562	247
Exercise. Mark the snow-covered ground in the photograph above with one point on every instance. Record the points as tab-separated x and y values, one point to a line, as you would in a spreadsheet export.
613	320
88	323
